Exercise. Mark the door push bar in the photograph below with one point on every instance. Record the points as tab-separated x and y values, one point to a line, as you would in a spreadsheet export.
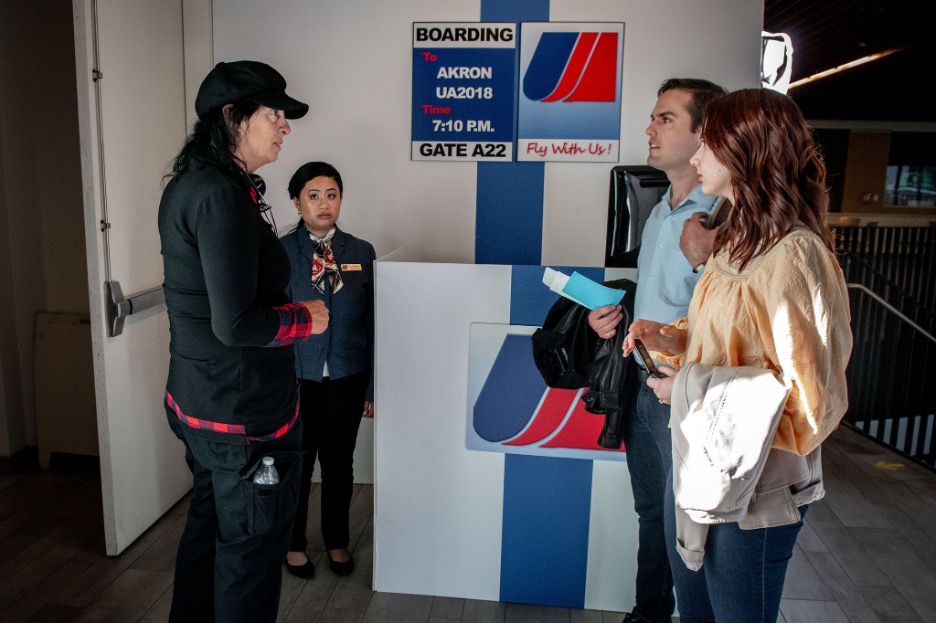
121	307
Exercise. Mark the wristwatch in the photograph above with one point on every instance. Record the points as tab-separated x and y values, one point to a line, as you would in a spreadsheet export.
698	268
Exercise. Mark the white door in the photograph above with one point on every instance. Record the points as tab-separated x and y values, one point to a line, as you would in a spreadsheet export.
132	108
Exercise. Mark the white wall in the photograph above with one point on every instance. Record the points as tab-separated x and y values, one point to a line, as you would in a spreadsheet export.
352	61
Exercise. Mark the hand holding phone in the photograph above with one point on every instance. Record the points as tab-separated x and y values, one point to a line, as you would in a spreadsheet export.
647	360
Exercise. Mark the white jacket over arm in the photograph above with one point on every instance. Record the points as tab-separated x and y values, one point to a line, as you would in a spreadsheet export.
724	419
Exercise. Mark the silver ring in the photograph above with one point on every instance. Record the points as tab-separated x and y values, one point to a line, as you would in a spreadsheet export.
660	400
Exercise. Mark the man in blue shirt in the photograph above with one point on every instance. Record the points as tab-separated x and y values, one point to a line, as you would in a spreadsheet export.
665	281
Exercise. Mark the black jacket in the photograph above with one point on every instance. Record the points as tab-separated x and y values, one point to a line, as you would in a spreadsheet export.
225	271
569	354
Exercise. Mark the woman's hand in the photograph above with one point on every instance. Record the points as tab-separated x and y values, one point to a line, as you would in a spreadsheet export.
318	313
368	409
663	388
656	337
604	320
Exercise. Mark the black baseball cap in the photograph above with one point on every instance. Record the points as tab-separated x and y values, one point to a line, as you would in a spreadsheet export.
246	80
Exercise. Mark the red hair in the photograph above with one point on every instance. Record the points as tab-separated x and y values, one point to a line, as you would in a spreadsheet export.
777	177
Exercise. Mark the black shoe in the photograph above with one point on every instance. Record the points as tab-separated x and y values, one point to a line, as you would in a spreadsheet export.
306	570
341	568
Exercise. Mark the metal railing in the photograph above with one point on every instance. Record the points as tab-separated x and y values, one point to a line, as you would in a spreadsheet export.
897	263
892	377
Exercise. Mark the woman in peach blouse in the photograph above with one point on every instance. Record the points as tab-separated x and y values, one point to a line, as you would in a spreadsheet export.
772	297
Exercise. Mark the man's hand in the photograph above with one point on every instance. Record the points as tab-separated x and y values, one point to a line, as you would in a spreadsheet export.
319	314
604	320
696	239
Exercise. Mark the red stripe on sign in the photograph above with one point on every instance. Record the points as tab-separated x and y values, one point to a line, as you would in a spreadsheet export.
581	431
599	78
575	67
548	418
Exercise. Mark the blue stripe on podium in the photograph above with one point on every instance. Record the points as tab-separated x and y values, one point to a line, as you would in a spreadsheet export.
547	500
544	546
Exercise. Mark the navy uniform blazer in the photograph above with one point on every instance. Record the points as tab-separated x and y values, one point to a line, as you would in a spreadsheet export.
348	342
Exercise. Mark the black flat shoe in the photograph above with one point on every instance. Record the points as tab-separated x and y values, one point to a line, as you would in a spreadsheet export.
341	568
306	570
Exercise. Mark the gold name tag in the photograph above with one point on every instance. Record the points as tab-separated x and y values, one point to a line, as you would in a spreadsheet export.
351	267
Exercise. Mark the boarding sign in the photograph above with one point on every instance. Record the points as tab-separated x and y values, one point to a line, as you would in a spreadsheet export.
570	92
464	91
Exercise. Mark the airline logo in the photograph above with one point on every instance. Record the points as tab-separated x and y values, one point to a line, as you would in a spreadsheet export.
516	412
569	105
573	67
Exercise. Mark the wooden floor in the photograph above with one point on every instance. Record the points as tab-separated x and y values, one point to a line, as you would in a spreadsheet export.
866	554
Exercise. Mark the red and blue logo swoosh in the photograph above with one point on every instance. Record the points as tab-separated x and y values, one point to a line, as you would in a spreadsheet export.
516	412
573	67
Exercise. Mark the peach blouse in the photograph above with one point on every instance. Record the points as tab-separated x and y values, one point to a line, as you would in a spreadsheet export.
787	311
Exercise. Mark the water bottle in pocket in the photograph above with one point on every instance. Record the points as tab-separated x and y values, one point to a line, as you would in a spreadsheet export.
273	504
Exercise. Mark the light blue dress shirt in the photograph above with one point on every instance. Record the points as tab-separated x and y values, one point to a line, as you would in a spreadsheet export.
665	280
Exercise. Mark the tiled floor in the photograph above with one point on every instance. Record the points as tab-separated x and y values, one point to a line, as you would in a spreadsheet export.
866	554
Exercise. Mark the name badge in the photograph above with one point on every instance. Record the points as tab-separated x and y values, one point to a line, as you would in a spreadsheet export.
351	267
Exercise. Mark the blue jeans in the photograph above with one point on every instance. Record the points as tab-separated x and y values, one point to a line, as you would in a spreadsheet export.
649	458
230	557
742	574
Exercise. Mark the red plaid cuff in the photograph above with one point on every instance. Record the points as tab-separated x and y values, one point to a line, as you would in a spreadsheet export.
295	324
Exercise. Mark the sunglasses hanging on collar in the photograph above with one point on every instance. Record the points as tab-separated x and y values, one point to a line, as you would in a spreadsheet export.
259	186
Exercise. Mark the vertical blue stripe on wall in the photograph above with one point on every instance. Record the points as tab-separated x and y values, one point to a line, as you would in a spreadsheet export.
509	214
544	541
509	211
514	10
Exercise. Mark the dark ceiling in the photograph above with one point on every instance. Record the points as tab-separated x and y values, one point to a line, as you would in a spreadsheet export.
828	33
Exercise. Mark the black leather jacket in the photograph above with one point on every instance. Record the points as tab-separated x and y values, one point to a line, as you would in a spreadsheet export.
569	354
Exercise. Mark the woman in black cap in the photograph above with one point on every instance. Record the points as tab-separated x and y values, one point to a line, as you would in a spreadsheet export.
231	395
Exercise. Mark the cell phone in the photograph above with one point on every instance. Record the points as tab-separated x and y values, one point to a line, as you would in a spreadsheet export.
647	360
719	213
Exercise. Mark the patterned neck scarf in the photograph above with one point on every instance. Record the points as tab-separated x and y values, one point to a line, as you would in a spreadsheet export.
323	263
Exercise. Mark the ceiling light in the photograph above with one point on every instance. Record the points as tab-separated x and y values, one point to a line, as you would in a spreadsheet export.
840	68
